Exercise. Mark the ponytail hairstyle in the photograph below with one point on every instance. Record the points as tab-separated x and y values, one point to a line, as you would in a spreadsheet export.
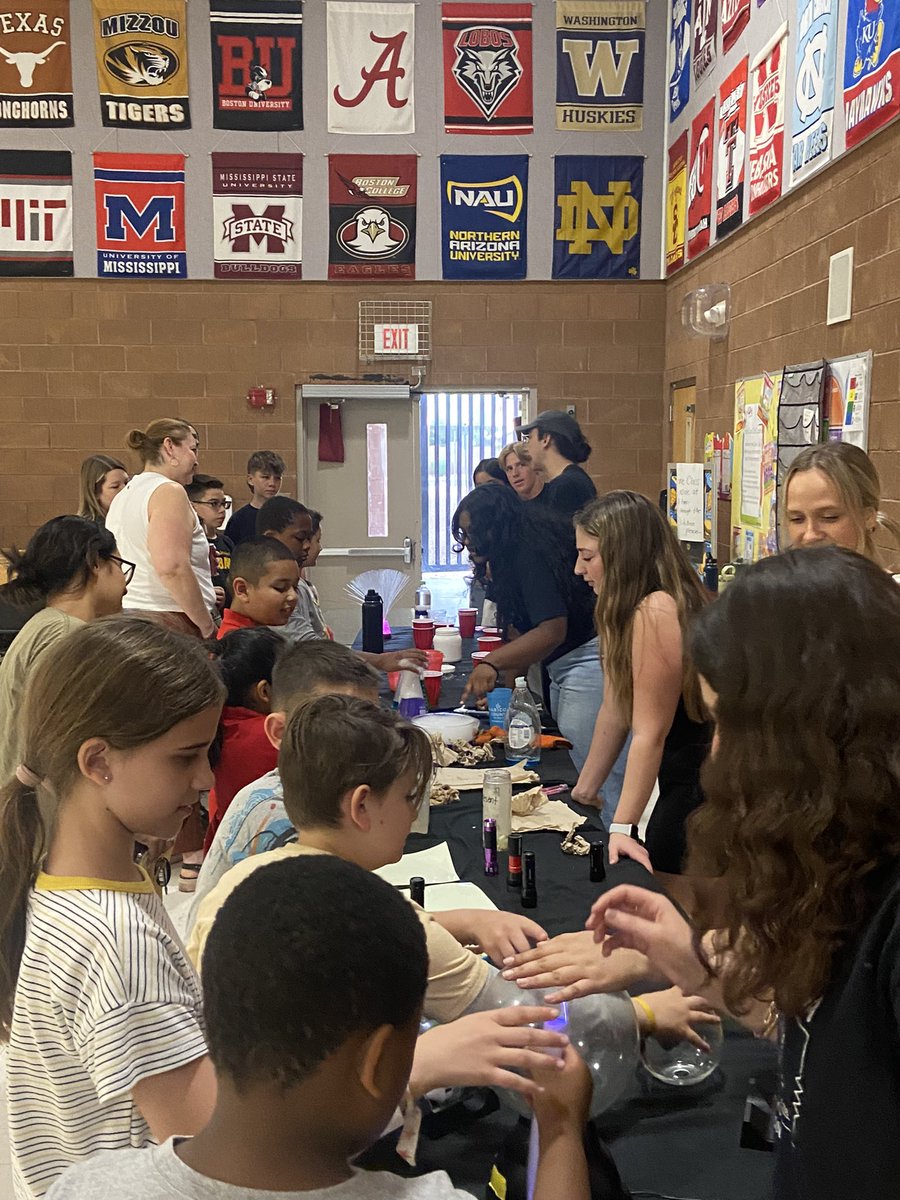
59	558
135	682
148	442
94	470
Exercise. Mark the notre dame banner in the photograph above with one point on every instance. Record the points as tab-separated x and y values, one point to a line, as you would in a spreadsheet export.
597	232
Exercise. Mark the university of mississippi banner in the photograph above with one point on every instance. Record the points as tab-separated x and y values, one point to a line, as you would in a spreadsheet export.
680	33
35	212
600	64
484	216
706	24
699	186
676	204
735	16
257	210
142	64
256	64
871	56
372	216
767	121
36	68
487	68
731	151
597	231
815	52
371	51
139	202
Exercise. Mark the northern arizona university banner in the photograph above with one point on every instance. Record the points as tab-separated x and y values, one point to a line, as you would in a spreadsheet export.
35	212
36	68
487	68
484	216
371	50
372	216
871	56
813	97
142	64
597	231
600	64
256	64
257	211
139	201
731	151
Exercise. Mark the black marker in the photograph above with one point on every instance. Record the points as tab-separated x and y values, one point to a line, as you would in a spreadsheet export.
489	841
514	862
529	881
417	890
598	867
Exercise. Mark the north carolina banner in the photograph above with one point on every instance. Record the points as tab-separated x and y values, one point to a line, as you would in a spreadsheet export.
699	186
735	16
598	217
815	53
731	151
139	203
142	64
487	68
371	50
36	68
767	121
372	216
706	24
257	211
256	64
676	204
35	212
484	216
871	56
679	57
600	64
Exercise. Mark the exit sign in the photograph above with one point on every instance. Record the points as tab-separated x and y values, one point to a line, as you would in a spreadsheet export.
396	339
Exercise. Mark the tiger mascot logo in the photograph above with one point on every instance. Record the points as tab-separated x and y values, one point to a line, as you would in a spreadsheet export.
141	64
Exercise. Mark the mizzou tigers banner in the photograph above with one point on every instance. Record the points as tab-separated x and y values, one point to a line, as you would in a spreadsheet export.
142	64
598	217
35	212
371	49
487	68
257	210
600	65
484	216
256	64
139	207
372	216
36	68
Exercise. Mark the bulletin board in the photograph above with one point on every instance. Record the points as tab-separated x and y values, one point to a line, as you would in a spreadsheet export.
753	476
848	383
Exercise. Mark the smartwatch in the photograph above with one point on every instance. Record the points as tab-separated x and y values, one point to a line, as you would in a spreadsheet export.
625	829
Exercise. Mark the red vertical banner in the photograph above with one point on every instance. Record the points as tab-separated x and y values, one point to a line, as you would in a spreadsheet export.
735	17
767	122
732	150
699	214
487	68
372	216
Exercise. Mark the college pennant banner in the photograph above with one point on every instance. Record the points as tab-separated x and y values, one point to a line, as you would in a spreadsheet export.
36	68
767	122
257	211
679	57
371	50
813	100
732	150
735	16
487	68
142	64
699	185
139	203
706	24
871	56
484	216
35	212
676	203
256	64
598	217
372	216
600	64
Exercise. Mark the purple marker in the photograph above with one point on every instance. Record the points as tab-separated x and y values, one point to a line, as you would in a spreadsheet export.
489	841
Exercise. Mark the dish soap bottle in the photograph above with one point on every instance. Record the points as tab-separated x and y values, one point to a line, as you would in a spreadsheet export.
523	722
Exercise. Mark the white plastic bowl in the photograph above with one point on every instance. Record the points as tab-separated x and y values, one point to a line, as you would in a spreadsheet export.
453	727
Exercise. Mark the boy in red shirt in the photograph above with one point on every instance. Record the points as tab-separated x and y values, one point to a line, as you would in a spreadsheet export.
264	577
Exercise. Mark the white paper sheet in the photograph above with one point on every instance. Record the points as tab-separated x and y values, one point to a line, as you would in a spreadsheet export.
456	895
690	502
434	865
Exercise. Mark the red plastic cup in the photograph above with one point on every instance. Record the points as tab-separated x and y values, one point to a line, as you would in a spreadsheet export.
423	633
432	681
489	643
393	680
479	656
434	660
467	621
490	631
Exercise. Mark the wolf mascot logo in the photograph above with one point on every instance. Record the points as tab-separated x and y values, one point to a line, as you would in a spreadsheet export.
487	65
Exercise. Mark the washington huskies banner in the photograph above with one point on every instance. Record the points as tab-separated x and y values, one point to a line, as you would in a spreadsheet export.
699	184
735	16
35	212
372	216
256	64
676	204
679	57
706	23
142	64
139	202
767	121
371	50
732	150
257	210
484	216
871	56
598	217
813	99
600	64
487	68
36	68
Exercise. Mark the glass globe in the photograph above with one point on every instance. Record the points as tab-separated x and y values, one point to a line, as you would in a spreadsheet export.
684	1064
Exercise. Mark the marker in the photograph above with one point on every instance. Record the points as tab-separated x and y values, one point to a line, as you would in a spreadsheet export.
489	842
598	867
417	890
529	881
514	862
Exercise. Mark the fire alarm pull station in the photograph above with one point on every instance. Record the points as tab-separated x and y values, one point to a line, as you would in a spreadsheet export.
261	397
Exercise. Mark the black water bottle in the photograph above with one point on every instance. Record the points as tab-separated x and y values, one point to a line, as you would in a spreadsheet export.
373	623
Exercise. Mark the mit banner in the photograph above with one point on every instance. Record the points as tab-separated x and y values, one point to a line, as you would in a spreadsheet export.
484	207
35	212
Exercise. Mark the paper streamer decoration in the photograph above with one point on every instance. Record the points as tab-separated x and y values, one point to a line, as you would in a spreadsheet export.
371	53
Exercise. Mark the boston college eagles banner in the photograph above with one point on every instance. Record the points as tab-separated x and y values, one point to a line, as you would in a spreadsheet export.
256	64
142	64
36	68
372	216
139	202
370	67
484	216
257	201
600	65
35	212
487	68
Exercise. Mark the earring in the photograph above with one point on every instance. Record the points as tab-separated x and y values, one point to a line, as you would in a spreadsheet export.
107	778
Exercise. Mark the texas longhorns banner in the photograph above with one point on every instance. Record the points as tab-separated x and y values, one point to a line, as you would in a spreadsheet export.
487	68
256	64
371	50
142	64
36	68
600	65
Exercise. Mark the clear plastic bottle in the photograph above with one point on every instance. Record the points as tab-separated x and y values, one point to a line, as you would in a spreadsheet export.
423	600
523	722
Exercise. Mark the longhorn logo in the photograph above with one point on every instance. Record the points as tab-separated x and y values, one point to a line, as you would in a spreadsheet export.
25	61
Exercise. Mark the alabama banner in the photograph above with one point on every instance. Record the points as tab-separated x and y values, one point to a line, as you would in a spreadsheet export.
812	109
600	64
767	121
676	204
256	64
871	56
484	216
142	64
735	16
139	202
679	57
257	210
35	212
371	50
487	68
699	184
372	216
732	151
36	68
706	24
598	217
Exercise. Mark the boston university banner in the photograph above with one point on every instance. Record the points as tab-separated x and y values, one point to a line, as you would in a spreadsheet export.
371	58
597	231
35	212
142	64
600	65
256	64
487	68
139	201
731	152
36	68
257	211
484	216
372	216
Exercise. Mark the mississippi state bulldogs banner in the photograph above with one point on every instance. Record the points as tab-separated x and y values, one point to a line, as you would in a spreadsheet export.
36	68
142	64
371	49
767	122
487	68
600	64
139	201
372	216
257	210
256	64
598	217
699	193
706	22
871	58
676	204
735	16
815	54
35	212
484	216
680	32
731	151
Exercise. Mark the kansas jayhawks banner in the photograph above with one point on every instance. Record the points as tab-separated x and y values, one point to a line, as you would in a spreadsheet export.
767	72
484	216
372	216
371	49
256	64
35	212
600	64
487	68
680	33
257	210
142	64
731	151
597	231
676	204
139	201
706	23
812	110
735	16
871	56
36	68
699	184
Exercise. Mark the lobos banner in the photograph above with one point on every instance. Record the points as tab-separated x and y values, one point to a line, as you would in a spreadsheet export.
706	22
600	64
679	57
257	210
142	64
487	68
139	201
371	51
676	204
699	185
36	68
598	217
732	151
35	212
256	64
767	122
813	100
735	15
871	56
484	207
372	216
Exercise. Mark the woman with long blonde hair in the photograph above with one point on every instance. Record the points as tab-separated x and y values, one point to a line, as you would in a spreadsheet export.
102	478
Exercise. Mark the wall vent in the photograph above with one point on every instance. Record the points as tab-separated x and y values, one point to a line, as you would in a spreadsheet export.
840	287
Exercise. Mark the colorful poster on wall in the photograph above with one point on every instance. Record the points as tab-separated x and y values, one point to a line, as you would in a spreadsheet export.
600	64
142	64
735	16
847	387
36	68
812	108
484	216
139	203
699	186
371	52
257	211
35	212
679	57
256	64
754	463
598	217
731	151
487	68
706	24
372	216
676	204
767	73
871	56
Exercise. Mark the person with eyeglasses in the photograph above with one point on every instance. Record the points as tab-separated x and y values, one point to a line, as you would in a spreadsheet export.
207	495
